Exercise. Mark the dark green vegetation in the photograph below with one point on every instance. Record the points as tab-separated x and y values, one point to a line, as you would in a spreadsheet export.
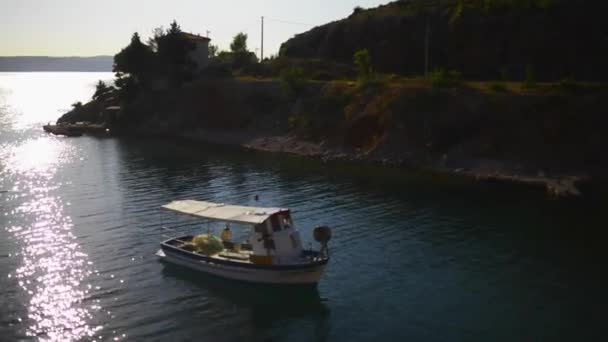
164	61
482	39
339	86
239	60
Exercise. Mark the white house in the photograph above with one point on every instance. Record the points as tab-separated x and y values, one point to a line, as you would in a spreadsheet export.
200	54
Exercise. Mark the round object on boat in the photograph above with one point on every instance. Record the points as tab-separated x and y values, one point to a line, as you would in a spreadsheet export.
207	244
322	234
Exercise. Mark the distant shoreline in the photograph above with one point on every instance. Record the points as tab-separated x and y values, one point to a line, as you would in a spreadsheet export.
54	71
56	64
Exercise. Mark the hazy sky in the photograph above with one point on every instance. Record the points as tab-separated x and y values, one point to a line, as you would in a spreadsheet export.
86	28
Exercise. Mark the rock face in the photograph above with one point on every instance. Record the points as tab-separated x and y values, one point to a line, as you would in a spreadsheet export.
548	128
528	136
552	39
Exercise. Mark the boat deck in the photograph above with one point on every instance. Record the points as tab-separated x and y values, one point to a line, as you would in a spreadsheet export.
240	253
230	253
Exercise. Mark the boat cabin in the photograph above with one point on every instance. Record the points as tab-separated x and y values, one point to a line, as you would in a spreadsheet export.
272	236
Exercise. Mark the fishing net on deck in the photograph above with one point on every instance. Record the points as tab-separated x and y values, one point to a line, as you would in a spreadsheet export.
207	244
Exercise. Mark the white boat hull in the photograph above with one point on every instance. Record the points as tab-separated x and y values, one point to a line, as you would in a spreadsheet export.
307	276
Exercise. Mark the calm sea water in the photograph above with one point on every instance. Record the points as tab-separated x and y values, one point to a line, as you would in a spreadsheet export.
414	257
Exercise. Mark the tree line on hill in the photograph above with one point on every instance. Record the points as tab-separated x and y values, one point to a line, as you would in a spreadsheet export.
164	61
482	39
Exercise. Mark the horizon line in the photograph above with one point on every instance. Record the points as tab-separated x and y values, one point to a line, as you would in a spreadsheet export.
47	56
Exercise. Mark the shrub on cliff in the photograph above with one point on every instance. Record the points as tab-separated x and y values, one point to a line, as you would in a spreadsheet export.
357	10
300	123
239	59
363	62
313	69
530	80
498	87
293	82
441	78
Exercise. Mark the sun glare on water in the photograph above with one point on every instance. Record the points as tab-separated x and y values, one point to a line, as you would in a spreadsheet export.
53	270
39	157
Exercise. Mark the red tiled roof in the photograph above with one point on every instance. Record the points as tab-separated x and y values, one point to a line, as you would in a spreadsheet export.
193	36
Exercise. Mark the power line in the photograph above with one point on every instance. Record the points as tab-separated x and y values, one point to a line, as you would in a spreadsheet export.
288	22
249	27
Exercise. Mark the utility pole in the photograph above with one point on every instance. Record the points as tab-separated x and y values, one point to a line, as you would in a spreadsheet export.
208	33
262	46
426	48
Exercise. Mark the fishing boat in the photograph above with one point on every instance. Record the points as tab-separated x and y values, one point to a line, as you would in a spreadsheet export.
271	252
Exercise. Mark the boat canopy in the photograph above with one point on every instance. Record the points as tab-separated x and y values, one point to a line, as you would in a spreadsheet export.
223	212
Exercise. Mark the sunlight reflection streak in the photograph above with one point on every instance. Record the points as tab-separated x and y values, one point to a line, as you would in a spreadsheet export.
53	268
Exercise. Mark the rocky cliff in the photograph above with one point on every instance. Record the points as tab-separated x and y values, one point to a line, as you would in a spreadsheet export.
495	39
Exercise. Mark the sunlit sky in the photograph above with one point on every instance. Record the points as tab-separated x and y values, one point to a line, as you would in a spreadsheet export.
88	28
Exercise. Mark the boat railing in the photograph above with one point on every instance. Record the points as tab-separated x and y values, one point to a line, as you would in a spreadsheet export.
168	233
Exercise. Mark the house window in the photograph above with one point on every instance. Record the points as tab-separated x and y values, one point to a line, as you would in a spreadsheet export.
276	224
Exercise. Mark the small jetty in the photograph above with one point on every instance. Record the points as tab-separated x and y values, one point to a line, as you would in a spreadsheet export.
76	129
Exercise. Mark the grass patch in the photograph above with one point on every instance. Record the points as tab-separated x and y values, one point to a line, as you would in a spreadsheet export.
498	87
443	79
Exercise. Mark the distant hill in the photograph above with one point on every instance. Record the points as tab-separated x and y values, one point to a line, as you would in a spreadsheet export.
31	63
483	39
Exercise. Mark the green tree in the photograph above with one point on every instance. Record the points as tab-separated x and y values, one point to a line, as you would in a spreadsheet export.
442	78
363	62
157	33
174	28
293	81
102	91
239	43
530	80
136	61
239	58
173	50
224	56
213	50
127	88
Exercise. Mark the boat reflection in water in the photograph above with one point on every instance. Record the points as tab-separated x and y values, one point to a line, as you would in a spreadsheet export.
300	300
262	311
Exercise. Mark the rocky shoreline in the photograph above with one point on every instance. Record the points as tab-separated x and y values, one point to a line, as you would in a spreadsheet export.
559	186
